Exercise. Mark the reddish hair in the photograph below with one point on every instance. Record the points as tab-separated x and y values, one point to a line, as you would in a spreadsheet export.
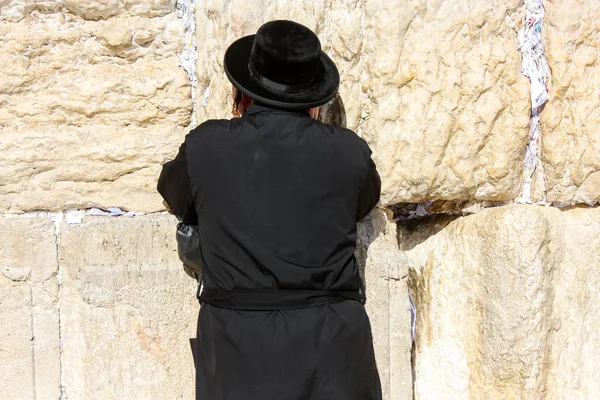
242	102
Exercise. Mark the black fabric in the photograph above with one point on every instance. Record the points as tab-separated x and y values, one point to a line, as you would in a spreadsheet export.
271	300
174	186
370	193
188	249
194	347
277	196
282	66
320	353
286	52
289	40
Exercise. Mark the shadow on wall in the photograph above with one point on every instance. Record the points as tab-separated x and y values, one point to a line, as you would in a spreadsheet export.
413	232
368	231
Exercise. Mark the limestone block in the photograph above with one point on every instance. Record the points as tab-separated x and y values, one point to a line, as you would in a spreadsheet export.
68	79
385	271
434	87
506	300
64	70
571	118
449	119
576	309
77	167
127	310
16	10
29	322
17	367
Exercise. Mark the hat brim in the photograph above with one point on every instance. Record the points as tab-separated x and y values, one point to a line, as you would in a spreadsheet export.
236	61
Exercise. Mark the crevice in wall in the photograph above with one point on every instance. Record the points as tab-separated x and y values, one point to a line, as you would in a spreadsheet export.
57	218
186	10
404	212
535	67
32	342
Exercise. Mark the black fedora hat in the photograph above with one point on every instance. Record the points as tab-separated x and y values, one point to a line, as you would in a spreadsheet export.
282	66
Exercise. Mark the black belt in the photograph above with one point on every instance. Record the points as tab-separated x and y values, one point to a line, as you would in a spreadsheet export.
272	299
269	300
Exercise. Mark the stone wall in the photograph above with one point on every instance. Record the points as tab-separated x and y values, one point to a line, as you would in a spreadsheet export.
507	300
94	310
94	100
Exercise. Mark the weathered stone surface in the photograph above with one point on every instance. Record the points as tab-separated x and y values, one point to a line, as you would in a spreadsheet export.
506	302
576	309
16	10
16	333
80	167
449	113
571	119
76	78
127	310
29	322
385	271
126	71
434	87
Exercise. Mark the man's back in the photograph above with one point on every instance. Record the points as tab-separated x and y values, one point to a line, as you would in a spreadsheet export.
278	195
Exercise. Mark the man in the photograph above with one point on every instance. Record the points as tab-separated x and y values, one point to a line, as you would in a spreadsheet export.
276	196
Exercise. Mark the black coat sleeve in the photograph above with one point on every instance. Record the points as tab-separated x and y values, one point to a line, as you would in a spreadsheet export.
369	196
174	186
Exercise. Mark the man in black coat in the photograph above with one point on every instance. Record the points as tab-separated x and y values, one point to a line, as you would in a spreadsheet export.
276	196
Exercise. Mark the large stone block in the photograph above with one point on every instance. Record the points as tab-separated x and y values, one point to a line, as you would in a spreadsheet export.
448	110
60	167
61	69
16	333
29	321
571	118
16	10
385	270
576	309
434	87
71	86
506	301
127	310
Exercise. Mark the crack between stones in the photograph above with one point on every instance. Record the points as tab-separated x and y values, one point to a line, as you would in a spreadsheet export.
535	67
57	219
389	333
32	342
186	11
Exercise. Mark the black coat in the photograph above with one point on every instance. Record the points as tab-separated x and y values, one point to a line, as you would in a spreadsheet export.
277	196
